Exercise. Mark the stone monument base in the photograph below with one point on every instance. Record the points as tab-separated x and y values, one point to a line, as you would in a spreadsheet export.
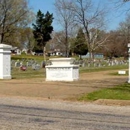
6	77
62	69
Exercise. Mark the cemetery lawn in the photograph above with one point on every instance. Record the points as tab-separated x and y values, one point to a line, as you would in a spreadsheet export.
30	73
27	57
27	74
97	69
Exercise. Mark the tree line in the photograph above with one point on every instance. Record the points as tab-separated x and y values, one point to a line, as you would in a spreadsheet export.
83	28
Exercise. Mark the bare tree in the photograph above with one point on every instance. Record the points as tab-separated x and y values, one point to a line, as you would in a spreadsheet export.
124	28
92	19
13	14
65	18
116	45
58	41
27	38
122	5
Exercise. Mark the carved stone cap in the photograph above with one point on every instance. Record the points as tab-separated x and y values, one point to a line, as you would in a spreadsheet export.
2	46
61	61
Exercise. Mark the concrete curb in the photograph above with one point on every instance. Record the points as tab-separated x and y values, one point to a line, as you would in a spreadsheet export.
112	102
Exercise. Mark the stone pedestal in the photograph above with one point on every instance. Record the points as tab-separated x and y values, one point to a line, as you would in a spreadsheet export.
5	61
62	69
129	62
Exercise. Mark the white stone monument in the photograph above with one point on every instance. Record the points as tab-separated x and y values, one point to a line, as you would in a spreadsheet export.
5	61
129	62
62	69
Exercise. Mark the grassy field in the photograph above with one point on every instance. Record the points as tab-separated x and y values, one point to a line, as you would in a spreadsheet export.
96	69
29	73
27	57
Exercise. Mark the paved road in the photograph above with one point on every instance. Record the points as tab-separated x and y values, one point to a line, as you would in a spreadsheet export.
30	114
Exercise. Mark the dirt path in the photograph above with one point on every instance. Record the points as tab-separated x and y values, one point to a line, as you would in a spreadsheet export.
39	88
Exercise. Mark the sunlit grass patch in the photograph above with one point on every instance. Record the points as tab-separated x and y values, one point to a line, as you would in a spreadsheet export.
121	92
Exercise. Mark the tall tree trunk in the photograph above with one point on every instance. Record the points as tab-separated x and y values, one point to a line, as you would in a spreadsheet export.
1	37
91	55
44	52
66	39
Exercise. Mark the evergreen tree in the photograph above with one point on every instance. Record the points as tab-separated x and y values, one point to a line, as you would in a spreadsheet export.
42	29
79	46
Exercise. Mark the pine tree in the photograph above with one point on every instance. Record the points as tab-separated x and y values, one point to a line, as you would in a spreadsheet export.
80	47
42	29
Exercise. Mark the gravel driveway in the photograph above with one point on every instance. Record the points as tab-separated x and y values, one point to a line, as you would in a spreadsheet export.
39	88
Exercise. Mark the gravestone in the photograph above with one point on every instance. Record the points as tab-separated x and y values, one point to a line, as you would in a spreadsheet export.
43	64
122	72
17	64
62	69
35	66
29	63
5	61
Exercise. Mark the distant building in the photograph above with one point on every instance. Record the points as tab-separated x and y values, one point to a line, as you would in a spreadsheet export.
15	51
97	56
39	52
55	52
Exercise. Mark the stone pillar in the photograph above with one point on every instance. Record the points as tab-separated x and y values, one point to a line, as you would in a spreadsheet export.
129	62
5	61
